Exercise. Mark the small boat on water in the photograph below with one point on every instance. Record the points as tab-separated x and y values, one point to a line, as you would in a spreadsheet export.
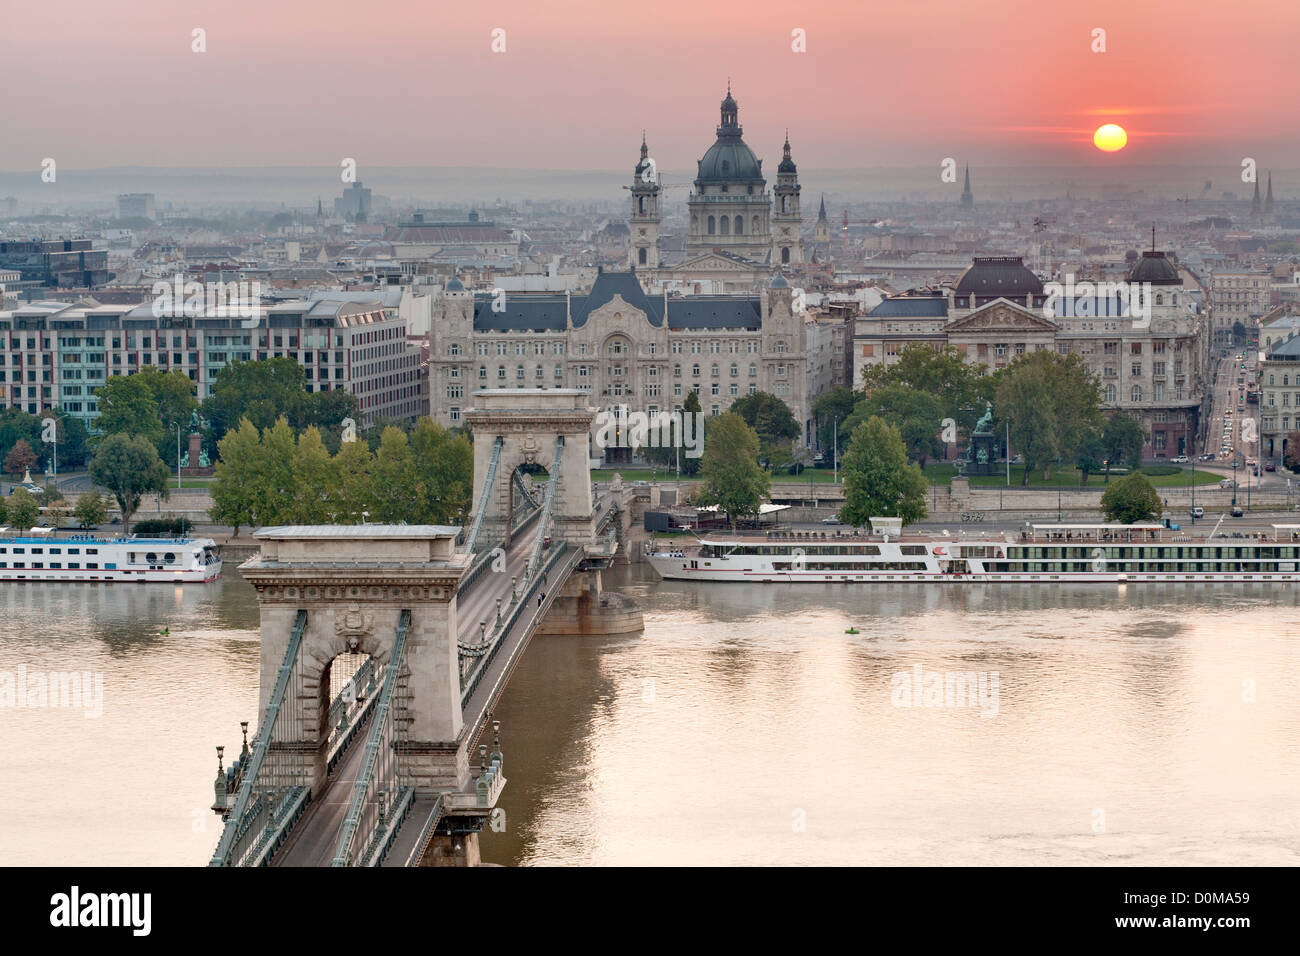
40	555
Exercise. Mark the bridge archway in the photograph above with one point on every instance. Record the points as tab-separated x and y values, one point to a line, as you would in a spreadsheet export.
517	429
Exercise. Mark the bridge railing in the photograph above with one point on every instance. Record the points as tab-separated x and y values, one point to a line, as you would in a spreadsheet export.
380	797
272	781
350	712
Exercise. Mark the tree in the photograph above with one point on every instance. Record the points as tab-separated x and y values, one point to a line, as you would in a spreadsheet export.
445	462
1238	333
232	489
261	391
127	406
397	487
326	411
729	471
1052	402
22	510
1122	439
73	440
129	467
273	480
1131	499
691	466
20	458
314	478
834	406
879	481
91	509
962	389
1089	455
353	494
774	424
917	415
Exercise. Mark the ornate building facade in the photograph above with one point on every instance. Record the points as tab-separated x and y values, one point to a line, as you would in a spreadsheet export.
998	309
624	346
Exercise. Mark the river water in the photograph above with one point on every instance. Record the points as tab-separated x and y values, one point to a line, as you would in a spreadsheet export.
1106	725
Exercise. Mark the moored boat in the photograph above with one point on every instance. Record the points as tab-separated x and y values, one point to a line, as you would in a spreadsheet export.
92	557
1128	553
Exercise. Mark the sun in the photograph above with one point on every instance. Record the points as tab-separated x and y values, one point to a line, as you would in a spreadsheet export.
1110	138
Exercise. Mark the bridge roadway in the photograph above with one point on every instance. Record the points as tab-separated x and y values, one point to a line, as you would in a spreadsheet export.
314	839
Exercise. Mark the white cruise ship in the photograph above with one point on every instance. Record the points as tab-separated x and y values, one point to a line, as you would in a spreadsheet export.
90	557
1132	553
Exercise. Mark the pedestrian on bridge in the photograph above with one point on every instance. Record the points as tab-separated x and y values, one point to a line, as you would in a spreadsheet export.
540	598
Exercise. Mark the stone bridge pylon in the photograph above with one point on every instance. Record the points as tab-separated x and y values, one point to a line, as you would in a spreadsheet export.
518	427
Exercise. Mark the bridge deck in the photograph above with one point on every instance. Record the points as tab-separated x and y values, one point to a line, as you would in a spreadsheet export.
315	837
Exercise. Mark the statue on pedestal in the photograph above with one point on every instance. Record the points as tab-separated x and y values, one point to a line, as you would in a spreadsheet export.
981	451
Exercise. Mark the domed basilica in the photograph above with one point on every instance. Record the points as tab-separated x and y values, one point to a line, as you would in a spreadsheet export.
738	230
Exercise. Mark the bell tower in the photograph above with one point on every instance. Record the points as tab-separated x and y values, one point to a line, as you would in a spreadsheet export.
643	224
787	238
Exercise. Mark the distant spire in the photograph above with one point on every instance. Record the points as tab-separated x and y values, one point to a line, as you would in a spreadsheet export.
967	197
1268	198
1153	237
821	213
1254	204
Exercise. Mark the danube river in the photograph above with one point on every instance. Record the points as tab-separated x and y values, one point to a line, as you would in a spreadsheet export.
1104	725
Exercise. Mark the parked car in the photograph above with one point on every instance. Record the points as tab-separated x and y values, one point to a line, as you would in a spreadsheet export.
833	519
1270	467
1197	512
1236	512
1179	459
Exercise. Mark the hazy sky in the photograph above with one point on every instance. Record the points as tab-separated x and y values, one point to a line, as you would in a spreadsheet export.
415	82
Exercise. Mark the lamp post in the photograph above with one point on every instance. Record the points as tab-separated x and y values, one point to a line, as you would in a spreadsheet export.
178	454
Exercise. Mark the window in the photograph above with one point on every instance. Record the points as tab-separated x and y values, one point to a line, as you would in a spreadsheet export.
1136	393
454	413
753	370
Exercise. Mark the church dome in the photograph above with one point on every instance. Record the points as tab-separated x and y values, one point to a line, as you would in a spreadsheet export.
455	285
729	160
779	282
1155	268
998	275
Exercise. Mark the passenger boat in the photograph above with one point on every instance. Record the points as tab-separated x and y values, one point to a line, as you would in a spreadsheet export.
90	557
1101	553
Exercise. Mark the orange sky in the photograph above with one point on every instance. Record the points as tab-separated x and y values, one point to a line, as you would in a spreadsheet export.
413	82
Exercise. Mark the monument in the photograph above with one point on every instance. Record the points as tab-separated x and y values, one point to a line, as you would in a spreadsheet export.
981	453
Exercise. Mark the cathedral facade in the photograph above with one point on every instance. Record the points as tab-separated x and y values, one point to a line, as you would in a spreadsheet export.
737	228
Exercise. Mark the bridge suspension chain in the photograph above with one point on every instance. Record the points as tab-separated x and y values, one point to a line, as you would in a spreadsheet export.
489	479
271	783
544	521
380	797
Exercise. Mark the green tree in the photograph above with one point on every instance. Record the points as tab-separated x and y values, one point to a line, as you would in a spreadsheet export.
314	479
1131	499
326	411
235	476
261	391
730	475
916	414
962	389
129	467
774	424
273	482
22	511
397	487
691	465
446	464
15	424
834	406
354	490
20	458
128	406
1089	456
1052	403
73	450
91	509
1292	459
1122	440
879	481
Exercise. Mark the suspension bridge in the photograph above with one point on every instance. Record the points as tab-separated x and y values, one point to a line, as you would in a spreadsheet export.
385	648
